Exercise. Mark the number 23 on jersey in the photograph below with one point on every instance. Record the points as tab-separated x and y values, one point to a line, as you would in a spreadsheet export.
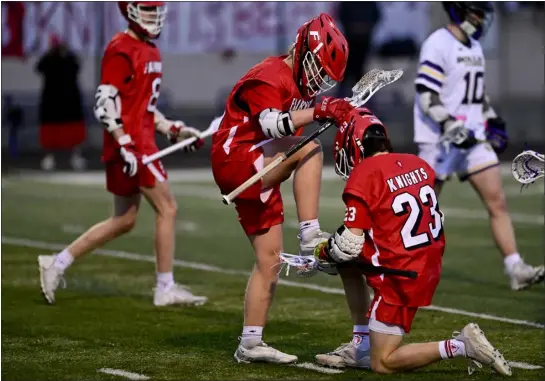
415	206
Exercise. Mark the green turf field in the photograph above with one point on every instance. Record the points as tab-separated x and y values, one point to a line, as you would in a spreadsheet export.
105	318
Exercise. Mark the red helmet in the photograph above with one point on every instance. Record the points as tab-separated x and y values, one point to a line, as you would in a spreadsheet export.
145	17
359	124
320	56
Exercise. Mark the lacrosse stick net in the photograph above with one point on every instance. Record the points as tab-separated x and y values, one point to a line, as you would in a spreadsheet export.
528	166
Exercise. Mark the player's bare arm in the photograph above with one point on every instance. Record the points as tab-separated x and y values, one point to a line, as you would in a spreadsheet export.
177	131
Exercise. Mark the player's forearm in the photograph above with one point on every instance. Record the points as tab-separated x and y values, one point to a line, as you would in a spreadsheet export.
488	111
162	124
356	231
117	134
431	105
301	118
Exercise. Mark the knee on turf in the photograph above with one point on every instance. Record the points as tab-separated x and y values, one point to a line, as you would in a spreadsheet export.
379	365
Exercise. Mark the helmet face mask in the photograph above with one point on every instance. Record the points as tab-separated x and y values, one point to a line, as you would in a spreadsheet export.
474	18
344	162
315	77
319	56
146	18
360	131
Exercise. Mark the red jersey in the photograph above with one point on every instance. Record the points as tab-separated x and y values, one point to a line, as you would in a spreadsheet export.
391	197
268	84
134	67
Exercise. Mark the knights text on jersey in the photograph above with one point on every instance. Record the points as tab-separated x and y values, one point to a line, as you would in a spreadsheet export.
456	72
139	94
394	192
269	84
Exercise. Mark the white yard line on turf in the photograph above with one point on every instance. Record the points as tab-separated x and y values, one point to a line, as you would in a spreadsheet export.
204	267
523	365
317	368
174	175
123	373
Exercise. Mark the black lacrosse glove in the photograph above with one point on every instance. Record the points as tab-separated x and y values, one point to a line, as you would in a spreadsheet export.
496	134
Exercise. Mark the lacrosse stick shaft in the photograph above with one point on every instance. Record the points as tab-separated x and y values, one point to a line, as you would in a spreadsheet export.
167	151
386	270
178	146
228	199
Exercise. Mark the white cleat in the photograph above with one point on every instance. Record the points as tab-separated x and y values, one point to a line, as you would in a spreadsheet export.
48	163
263	353
311	240
480	351
347	355
177	294
50	277
523	275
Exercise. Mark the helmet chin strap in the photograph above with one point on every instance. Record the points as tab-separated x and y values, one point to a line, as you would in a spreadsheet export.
468	28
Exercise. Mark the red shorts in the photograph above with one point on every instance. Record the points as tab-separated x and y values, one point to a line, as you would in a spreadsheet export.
120	184
62	136
390	315
258	209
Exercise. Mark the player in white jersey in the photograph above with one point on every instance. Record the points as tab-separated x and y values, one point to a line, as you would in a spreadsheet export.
456	129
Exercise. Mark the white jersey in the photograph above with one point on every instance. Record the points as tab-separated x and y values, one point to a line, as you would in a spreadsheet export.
456	72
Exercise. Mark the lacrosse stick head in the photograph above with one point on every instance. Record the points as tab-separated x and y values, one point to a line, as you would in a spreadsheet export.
306	266
528	166
370	83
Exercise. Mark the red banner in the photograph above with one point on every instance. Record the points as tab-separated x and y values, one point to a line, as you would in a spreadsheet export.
12	28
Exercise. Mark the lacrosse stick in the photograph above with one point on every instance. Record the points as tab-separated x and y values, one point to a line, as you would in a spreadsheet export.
308	266
528	166
184	143
362	91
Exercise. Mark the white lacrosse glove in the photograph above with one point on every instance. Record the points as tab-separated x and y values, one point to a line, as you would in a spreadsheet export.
179	132
107	107
456	133
129	155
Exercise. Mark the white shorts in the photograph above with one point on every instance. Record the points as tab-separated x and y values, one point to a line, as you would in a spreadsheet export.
461	162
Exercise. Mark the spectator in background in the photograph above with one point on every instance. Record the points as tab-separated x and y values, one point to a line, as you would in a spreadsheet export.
61	114
358	19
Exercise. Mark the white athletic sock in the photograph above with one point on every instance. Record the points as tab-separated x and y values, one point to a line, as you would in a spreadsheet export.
251	336
307	226
63	260
165	280
360	336
510	261
452	348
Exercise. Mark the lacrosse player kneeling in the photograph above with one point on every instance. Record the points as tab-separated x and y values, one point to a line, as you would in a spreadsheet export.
392	222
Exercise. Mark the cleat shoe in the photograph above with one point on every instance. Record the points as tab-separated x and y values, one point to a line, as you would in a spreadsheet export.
311	240
480	351
523	275
177	294
263	353
50	277
347	355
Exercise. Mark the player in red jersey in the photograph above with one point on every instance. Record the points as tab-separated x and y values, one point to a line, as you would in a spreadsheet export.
272	102
126	105
392	219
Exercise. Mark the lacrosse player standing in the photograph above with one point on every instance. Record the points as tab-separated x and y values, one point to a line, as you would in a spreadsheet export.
392	219
456	129
126	105
267	106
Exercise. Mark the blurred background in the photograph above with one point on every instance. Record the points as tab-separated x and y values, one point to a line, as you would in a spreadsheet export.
51	55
